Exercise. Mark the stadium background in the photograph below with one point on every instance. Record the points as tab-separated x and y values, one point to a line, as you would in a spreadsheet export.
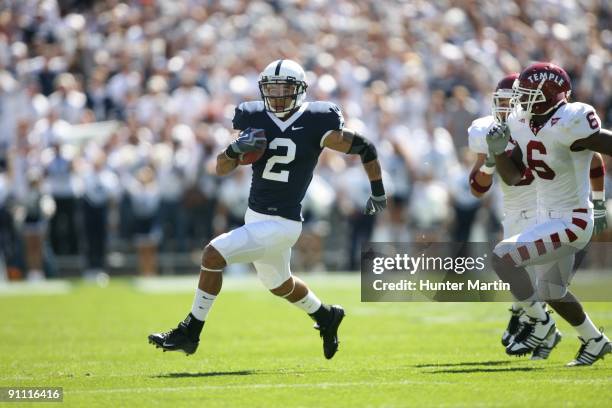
111	114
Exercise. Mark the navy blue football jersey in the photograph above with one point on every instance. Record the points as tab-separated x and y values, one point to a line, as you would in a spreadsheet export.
283	174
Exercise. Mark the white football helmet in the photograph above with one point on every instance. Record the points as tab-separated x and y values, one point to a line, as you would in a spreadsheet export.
502	97
283	86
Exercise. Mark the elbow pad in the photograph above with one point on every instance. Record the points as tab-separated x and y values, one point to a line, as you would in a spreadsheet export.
364	148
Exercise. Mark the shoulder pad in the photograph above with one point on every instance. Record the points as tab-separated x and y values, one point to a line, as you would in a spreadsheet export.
330	113
575	121
252	106
244	111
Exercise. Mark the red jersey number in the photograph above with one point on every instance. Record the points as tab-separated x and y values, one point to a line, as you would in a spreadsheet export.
536	165
527	178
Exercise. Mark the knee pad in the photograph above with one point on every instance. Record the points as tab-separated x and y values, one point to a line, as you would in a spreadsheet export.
548	290
271	277
287	291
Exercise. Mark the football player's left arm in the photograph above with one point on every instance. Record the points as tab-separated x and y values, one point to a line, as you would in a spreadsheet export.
350	142
597	176
600	141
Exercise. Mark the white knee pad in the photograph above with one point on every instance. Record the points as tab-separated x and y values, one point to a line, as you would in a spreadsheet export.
271	277
551	290
553	280
289	291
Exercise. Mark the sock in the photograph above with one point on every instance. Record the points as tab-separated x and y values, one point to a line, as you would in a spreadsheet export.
587	329
202	302
309	303
534	310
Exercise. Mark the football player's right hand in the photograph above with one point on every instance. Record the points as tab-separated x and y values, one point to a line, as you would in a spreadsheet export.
498	138
249	140
375	204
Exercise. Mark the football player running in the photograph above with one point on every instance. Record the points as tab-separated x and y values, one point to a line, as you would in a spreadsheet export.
519	200
555	140
293	133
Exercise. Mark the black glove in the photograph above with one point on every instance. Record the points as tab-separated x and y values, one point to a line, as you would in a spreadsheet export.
375	204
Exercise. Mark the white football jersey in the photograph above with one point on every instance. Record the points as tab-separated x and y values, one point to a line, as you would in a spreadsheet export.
516	198
561	175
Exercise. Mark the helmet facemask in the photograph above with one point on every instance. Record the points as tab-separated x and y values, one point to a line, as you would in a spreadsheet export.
282	95
502	104
527	99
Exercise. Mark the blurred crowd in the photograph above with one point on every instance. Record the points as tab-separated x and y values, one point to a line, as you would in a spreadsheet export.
111	114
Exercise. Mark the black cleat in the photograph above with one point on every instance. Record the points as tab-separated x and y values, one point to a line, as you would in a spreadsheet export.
329	332
513	328
176	339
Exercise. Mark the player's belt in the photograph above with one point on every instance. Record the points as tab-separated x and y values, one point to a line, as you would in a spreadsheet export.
567	213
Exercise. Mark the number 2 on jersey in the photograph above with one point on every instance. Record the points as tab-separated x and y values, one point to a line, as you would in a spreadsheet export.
282	175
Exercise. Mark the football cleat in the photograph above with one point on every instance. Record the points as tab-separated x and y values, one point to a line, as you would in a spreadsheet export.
533	333
329	332
513	328
177	339
543	350
590	351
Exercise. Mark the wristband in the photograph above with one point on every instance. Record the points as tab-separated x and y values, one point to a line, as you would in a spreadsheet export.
378	189
477	187
486	169
229	152
598	195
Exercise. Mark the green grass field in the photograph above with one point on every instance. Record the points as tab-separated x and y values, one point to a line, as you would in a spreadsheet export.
257	350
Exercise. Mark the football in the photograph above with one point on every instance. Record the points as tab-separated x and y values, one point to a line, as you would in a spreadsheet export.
251	157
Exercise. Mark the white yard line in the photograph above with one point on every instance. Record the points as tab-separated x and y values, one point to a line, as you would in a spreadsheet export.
252	386
48	287
181	284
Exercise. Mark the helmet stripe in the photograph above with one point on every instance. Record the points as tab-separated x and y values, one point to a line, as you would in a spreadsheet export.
277	70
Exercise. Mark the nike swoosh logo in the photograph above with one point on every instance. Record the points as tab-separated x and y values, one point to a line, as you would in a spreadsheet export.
297	128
